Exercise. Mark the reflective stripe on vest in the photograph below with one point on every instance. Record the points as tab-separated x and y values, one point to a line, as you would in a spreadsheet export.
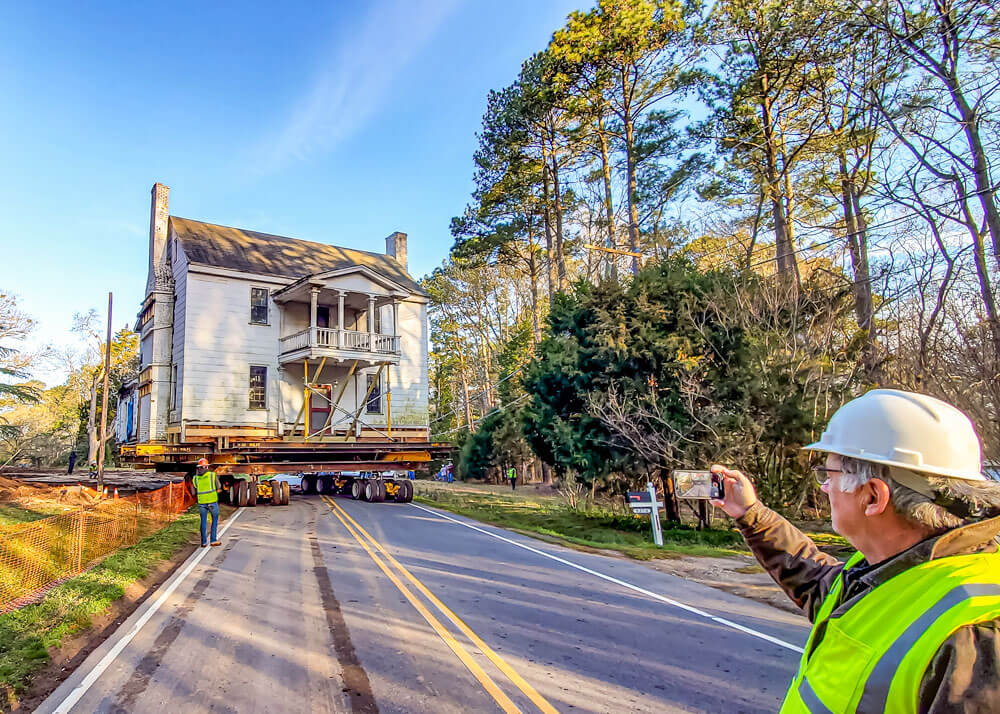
207	487
872	657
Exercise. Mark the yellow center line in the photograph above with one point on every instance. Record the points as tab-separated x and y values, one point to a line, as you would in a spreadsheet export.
519	681
489	685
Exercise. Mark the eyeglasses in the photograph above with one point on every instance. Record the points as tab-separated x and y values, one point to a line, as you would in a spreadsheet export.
822	474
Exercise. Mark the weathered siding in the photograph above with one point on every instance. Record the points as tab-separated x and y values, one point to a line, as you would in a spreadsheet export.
220	345
180	265
409	380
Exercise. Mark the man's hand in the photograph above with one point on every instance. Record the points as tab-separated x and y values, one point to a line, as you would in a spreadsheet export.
739	492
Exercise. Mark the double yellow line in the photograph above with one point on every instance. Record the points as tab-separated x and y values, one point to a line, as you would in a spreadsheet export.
368	542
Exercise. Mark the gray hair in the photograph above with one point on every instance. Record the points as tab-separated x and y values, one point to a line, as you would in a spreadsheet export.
920	510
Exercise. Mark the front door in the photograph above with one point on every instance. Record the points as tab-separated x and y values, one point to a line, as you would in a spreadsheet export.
319	409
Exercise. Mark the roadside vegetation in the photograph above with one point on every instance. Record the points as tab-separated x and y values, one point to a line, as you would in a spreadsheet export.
597	527
28	634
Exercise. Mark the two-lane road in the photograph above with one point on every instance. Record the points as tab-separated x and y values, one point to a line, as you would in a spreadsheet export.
339	605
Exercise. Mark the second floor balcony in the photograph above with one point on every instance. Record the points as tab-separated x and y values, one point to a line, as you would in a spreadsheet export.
314	342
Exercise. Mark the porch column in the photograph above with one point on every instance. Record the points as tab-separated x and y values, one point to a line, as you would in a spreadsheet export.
340	318
395	324
314	298
371	323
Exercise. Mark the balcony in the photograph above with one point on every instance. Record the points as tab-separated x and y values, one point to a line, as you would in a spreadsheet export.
340	345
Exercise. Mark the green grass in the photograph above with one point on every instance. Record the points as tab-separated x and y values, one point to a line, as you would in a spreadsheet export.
11	514
550	519
26	634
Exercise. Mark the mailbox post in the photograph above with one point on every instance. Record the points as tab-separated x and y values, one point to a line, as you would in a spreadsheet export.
644	502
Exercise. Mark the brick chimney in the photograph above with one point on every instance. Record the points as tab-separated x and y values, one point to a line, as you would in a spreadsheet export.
158	214
395	245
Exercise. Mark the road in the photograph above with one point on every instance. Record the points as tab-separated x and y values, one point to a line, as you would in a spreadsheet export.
333	605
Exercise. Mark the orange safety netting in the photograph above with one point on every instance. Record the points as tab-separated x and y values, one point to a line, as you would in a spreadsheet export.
36	555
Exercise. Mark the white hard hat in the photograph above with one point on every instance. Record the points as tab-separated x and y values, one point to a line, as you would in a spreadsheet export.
908	430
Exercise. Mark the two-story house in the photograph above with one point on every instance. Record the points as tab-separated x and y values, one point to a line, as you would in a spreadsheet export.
245	334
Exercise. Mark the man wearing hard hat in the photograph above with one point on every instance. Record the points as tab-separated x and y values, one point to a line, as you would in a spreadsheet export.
205	486
911	622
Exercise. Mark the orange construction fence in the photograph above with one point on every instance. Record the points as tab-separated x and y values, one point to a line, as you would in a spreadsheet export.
36	555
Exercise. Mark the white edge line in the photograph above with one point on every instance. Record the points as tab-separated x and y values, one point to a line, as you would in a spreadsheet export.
74	696
616	581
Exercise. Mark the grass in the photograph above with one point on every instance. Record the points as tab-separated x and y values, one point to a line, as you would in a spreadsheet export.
601	529
11	514
27	634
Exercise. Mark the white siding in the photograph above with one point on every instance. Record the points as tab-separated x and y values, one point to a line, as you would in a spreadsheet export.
408	381
180	264
220	345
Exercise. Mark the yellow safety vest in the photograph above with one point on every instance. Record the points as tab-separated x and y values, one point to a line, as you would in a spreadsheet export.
872	657
207	487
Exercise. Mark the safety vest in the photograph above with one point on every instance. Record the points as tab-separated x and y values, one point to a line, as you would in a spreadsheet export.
872	657
207	487
511	474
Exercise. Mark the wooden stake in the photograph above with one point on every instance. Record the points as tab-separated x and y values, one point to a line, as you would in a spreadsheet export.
104	403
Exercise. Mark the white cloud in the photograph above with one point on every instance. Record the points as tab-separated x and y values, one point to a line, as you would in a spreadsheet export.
356	76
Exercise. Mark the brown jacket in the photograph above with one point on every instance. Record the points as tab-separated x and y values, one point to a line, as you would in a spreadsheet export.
964	676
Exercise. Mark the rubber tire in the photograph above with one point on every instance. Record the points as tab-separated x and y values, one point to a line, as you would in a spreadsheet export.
286	492
242	493
309	484
324	485
370	492
231	494
405	492
357	490
275	493
380	492
252	494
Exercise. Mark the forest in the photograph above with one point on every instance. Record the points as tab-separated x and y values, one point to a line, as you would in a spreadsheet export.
697	229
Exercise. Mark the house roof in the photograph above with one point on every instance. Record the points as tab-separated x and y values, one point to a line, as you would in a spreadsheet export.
266	254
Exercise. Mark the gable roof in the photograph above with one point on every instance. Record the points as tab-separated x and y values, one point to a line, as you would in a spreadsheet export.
266	254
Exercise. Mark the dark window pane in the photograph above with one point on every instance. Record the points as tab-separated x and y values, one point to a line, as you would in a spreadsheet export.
258	306
322	316
374	405
258	387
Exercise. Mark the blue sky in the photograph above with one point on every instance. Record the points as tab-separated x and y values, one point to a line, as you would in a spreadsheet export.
337	122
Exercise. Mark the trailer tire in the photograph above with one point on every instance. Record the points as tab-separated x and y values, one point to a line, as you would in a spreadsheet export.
380	491
275	493
405	492
252	493
370	492
309	484
242	493
286	492
357	490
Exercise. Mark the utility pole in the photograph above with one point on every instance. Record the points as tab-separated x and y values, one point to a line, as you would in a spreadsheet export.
104	405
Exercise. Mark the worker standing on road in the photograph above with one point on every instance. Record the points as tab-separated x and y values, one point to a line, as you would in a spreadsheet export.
911	623
206	489
72	461
512	475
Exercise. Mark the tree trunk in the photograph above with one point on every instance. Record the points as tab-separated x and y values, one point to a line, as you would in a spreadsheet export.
557	206
857	245
547	218
92	445
788	267
633	209
533	278
609	209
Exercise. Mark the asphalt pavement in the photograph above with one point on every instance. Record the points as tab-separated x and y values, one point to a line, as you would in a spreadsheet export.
333	605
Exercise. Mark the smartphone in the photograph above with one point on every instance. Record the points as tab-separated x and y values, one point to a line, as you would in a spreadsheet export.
718	489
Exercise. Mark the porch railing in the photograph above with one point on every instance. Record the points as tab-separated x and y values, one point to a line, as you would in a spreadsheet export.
331	338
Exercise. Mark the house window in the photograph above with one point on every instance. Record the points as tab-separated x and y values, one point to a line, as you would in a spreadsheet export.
374	405
258	306
173	387
258	387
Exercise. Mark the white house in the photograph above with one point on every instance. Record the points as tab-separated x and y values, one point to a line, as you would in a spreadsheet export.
245	334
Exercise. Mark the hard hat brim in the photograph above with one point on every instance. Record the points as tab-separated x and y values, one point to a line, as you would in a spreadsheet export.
880	459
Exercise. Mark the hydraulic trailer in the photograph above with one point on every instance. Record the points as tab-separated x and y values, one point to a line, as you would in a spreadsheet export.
247	468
